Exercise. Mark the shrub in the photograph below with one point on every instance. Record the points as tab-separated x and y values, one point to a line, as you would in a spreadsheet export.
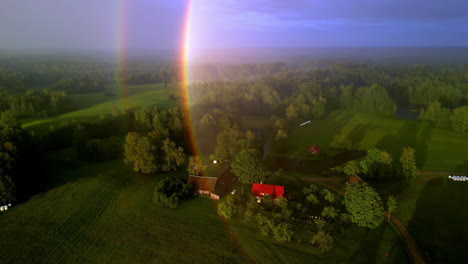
170	192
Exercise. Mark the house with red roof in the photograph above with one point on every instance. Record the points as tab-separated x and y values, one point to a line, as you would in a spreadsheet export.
260	190
314	149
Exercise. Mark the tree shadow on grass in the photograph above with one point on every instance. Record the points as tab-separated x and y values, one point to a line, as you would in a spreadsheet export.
368	247
357	134
412	134
438	225
463	167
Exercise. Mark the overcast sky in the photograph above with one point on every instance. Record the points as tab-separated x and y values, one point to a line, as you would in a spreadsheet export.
157	24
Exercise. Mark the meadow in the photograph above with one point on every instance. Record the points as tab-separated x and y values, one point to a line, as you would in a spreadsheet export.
92	106
437	149
107	216
103	213
438	219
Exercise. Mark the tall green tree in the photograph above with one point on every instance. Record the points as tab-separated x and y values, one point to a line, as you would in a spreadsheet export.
248	166
173	156
408	162
432	113
140	152
364	205
460	119
226	146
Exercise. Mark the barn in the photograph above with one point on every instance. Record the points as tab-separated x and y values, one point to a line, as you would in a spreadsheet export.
202	184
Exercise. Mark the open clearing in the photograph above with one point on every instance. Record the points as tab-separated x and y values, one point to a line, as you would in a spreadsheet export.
92	106
107	216
438	221
436	149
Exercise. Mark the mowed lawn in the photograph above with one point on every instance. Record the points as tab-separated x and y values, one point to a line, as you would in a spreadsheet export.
92	106
108	217
437	149
438	218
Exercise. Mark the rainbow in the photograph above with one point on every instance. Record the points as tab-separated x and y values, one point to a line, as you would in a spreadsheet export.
185	71
184	51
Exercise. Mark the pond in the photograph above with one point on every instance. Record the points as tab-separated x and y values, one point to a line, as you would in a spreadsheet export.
319	165
408	112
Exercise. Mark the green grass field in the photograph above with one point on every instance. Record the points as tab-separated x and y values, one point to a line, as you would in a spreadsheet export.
439	220
108	217
92	106
103	213
436	149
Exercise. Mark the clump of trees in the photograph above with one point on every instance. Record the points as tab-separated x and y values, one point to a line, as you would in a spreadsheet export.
364	205
36	103
373	99
379	165
460	119
170	192
311	214
152	146
150	154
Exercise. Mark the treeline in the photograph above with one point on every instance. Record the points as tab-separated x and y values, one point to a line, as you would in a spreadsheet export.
18	159
72	75
35	103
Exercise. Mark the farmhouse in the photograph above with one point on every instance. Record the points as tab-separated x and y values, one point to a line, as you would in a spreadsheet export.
314	149
259	190
202	184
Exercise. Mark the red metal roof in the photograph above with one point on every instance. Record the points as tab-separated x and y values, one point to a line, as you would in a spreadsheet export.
273	190
314	148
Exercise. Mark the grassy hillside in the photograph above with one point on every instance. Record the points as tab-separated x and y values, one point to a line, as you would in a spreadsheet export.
108	217
431	206
91	106
103	213
436	149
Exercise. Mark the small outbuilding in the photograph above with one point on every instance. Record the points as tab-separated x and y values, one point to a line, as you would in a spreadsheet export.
314	150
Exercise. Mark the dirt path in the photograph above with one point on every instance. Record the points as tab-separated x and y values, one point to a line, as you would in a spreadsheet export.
409	242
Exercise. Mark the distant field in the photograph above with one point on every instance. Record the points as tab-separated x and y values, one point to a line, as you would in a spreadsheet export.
96	104
436	149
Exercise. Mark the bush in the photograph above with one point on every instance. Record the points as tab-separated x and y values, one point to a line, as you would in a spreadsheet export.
170	192
283	232
226	209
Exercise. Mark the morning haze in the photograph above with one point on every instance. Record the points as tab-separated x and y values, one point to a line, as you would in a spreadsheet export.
233	131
